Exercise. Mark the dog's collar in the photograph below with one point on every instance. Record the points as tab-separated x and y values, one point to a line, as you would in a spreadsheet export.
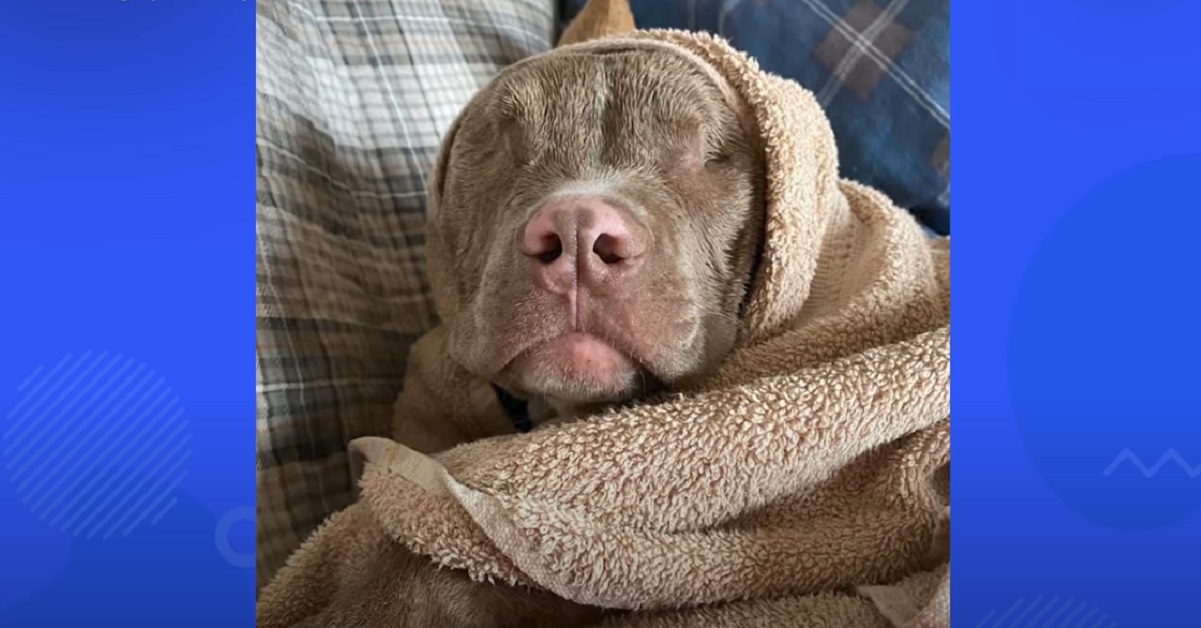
517	410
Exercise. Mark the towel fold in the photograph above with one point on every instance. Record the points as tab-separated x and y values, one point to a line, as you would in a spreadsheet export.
804	484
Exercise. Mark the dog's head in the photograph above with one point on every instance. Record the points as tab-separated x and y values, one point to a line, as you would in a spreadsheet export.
596	220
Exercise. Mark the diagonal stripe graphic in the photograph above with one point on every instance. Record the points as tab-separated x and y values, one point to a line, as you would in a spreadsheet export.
1087	616
88	455
30	394
157	473
1012	610
108	437
1072	615
32	376
165	509
149	507
100	491
9	465
1017	621
82	423
49	395
121	455
1054	603
1051	620
63	422
96	444
107	491
1021	614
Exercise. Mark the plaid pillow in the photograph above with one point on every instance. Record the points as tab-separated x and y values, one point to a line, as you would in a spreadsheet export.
353	99
881	69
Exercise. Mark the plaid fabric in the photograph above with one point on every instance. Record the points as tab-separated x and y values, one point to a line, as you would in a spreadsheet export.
881	69
353	98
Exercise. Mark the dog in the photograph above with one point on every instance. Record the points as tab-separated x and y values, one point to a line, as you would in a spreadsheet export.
597	222
598	216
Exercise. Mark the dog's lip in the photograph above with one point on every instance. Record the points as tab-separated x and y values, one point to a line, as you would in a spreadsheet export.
586	346
571	337
574	336
572	359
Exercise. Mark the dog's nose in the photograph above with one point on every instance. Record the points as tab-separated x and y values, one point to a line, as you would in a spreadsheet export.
583	238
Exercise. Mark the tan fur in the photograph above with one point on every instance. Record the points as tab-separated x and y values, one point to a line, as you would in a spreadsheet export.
799	476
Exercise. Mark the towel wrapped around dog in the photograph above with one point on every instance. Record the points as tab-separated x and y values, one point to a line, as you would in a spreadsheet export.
805	483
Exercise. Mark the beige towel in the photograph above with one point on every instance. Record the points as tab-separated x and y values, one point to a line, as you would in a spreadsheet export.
806	484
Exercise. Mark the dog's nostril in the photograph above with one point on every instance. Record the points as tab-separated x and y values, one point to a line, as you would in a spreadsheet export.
551	249
605	248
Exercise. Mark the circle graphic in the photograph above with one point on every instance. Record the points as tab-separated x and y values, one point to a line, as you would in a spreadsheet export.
1102	346
222	537
96	445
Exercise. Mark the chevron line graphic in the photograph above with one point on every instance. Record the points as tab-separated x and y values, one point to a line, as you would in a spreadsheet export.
1171	455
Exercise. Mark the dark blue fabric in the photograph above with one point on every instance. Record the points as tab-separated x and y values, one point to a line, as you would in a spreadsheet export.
881	69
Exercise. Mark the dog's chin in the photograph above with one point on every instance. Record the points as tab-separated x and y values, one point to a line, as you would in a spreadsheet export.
576	368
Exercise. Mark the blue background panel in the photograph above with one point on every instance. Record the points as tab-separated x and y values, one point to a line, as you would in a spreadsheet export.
127	269
1077	473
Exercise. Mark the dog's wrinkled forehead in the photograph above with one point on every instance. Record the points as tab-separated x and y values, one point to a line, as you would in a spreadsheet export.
576	112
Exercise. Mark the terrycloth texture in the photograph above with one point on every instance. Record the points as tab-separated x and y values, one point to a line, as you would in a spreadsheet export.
880	68
805	484
353	99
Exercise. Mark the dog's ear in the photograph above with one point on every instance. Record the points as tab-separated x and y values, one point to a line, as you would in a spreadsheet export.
599	18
